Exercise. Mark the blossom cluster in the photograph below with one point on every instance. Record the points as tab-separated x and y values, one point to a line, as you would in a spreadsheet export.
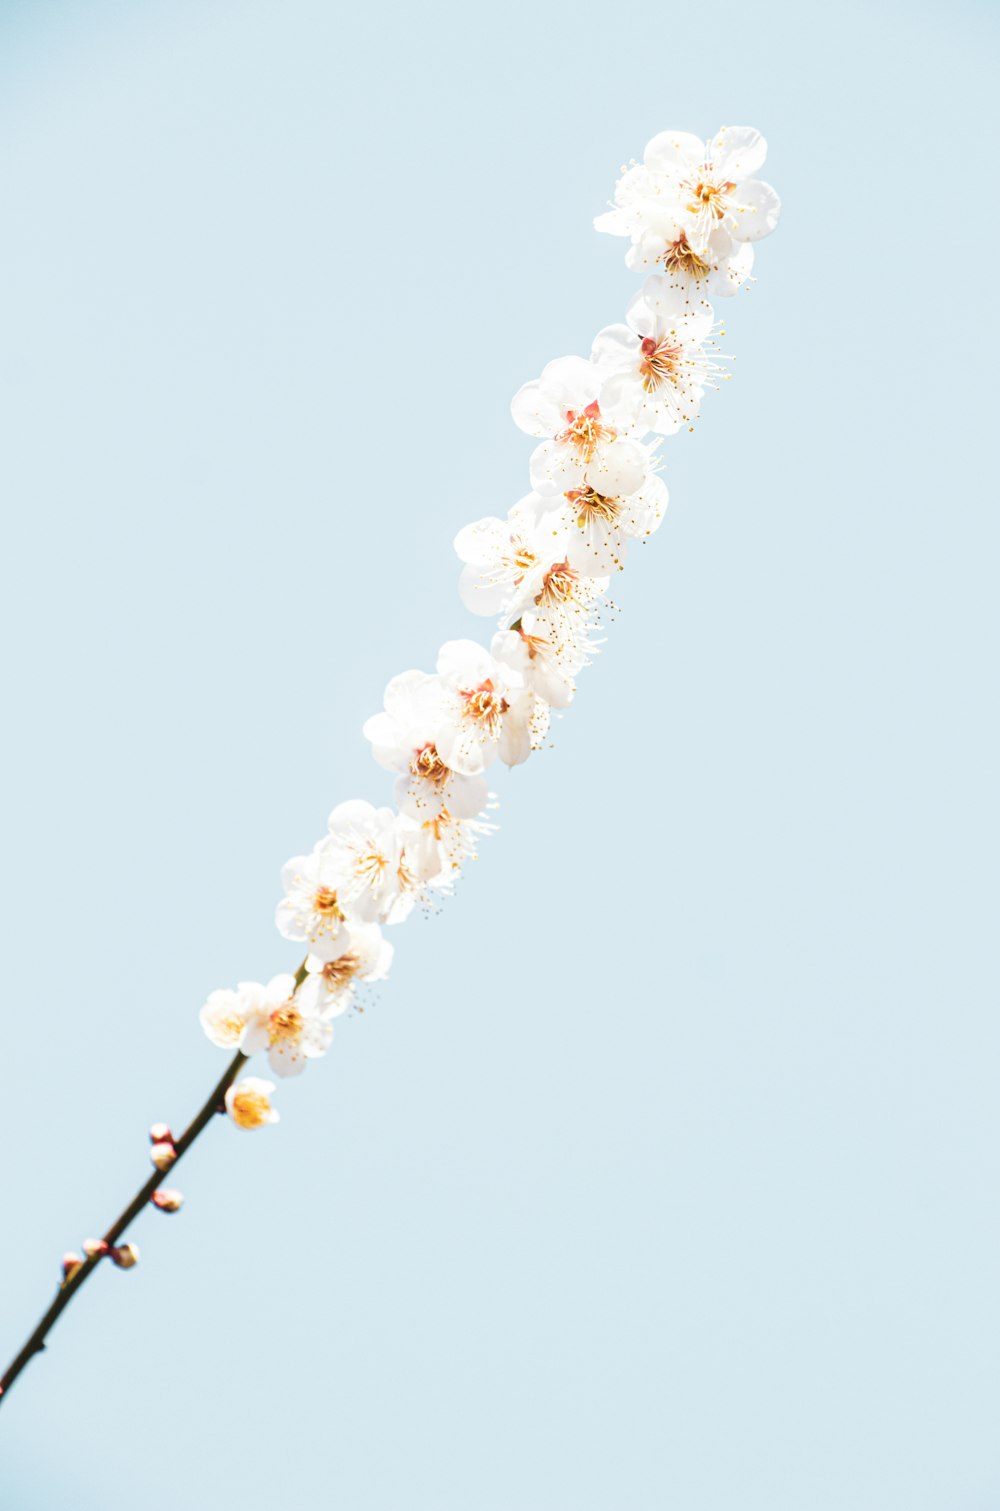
692	211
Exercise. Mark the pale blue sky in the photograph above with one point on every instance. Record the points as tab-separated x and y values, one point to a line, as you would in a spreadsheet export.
663	1176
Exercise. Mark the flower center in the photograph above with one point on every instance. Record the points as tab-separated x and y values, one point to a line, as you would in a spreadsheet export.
369	867
406	878
284	1026
250	1109
341	972
590	505
680	257
520	560
585	431
439	824
558	585
535	645
659	363
707	195
325	903
485	706
231	1028
426	763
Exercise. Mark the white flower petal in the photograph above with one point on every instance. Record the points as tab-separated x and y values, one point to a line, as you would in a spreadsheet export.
755	210
673	152
737	152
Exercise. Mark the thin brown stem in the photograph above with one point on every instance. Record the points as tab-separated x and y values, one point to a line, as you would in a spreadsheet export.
216	1102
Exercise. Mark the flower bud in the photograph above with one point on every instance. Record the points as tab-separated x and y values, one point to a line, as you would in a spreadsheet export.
70	1264
160	1134
125	1256
167	1200
95	1248
163	1155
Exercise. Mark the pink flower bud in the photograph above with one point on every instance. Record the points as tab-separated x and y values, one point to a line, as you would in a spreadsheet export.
160	1134
125	1256
95	1248
167	1200
70	1264
163	1155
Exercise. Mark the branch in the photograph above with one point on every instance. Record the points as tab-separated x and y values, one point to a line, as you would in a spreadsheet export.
216	1102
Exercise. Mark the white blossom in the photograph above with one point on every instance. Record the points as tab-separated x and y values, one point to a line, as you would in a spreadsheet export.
656	362
366	848
712	185
248	1102
547	669
404	740
581	446
442	845
520	563
599	528
487	713
312	909
694	208
225	1017
292	1031
328	988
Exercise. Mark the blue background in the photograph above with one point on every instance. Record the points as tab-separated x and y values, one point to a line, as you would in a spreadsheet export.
664	1172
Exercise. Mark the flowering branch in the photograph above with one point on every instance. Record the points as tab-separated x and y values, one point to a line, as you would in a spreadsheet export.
692	211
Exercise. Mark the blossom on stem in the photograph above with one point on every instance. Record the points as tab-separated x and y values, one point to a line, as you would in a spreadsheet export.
441	845
329	985
488	710
712	185
656	362
248	1102
224	1018
521	563
366	848
580	444
291	1031
312	909
599	529
693	209
404	740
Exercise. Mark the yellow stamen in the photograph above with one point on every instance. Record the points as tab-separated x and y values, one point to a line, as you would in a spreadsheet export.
325	903
284	1026
426	763
250	1109
586	431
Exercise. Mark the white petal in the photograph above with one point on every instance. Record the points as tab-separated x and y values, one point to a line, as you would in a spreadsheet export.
479	595
460	747
515	738
285	1061
618	469
482	541
354	814
737	152
755	209
465	665
533	410
614	347
673	152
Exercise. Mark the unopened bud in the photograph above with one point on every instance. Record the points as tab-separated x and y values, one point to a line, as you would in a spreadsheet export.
125	1256
160	1134
163	1155
95	1248
70	1264
167	1200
